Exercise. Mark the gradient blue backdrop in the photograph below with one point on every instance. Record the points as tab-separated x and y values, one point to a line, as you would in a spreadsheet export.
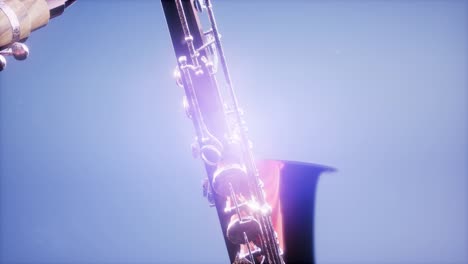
95	160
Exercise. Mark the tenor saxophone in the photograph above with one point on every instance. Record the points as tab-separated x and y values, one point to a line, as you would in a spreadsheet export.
250	216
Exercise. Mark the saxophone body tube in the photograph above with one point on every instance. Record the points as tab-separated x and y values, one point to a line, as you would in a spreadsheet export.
18	18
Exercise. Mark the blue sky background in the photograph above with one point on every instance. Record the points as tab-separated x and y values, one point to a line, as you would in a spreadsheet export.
95	159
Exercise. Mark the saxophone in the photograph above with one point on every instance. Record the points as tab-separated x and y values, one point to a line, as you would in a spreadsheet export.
233	184
18	18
